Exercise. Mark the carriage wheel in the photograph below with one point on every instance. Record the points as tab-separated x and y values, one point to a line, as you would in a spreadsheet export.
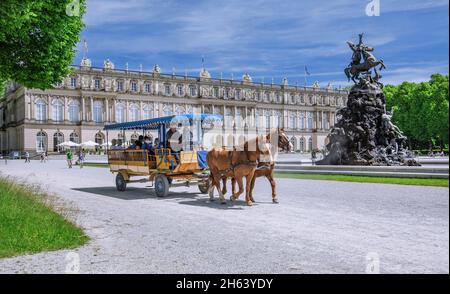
121	184
203	187
161	186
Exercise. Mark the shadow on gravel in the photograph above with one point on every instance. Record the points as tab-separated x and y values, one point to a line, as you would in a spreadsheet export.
238	205
134	193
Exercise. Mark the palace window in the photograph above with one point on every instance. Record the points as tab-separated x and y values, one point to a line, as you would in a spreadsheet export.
325	121
302	144
148	88
148	111
292	98
292	121
258	96
257	118
302	121
309	121
41	142
238	118
74	111
97	83
58	110
267	96
134	87
180	110
120	86
167	110
216	92
238	94
73	82
267	120
73	137
41	110
192	91
310	144
120	113
302	99
227	93
58	138
180	91
294	143
278	98
134	112
167	90
98	111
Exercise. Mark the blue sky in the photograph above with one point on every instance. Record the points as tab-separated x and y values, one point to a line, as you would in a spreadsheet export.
268	39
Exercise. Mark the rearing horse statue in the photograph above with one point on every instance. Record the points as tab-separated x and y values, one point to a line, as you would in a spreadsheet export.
361	51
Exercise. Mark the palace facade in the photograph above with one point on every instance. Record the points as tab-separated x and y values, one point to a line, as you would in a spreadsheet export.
78	108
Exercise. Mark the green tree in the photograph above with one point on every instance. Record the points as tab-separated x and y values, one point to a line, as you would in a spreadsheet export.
37	40
421	110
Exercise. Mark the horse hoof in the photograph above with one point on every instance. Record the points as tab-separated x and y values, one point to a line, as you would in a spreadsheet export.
232	199
223	202
249	203
275	201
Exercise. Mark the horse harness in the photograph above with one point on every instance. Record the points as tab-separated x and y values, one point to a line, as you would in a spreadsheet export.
235	165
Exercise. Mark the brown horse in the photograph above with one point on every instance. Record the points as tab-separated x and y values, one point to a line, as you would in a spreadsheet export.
265	168
237	165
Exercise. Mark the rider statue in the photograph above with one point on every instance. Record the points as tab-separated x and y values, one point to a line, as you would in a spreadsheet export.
362	52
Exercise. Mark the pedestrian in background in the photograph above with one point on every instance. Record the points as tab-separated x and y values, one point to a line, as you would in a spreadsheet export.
69	156
27	157
81	158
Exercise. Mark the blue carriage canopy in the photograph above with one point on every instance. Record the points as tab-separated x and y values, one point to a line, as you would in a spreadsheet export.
155	123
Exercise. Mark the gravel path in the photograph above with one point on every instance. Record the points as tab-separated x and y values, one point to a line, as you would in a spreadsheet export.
318	227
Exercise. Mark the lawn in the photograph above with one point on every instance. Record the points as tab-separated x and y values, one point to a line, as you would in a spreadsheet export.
366	179
30	222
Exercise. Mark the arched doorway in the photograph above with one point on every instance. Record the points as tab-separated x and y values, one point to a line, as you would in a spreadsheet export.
73	137
41	142
58	138
294	144
302	144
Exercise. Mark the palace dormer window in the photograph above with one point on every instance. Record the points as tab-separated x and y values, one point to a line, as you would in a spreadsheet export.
73	82
192	91
120	86
238	94
180	91
148	88
134	87
97	84
216	92
167	90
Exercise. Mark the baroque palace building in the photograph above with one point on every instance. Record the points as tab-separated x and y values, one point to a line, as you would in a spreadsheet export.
78	108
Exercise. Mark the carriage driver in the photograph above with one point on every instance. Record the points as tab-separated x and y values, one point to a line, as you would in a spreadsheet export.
174	141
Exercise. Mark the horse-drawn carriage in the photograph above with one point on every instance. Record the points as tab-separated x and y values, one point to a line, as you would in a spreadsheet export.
160	165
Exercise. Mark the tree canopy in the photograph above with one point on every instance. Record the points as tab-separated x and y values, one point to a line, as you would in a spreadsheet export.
37	40
421	110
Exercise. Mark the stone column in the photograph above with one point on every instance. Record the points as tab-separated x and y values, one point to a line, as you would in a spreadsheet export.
66	109
91	100
32	108
49	108
83	109
107	109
